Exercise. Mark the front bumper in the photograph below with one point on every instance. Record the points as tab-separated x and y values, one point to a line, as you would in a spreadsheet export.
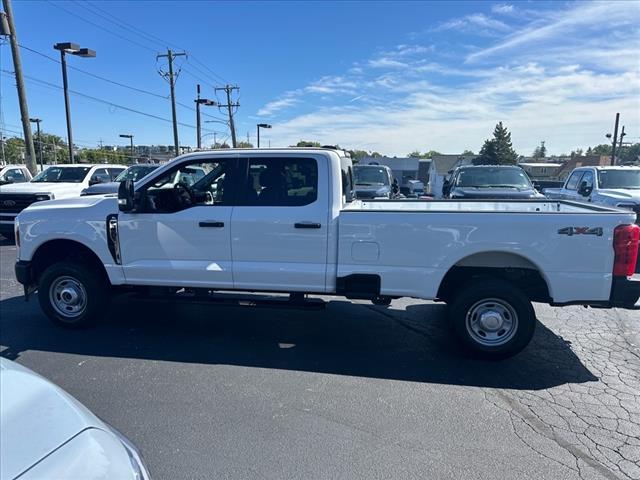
24	273
625	292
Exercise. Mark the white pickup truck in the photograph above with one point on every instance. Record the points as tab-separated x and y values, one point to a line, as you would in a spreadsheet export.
56	181
284	220
611	186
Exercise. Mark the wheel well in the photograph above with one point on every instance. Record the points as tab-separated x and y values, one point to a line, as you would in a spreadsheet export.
56	251
513	268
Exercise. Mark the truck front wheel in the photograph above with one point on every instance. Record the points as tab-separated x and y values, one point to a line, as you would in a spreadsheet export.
492	318
71	295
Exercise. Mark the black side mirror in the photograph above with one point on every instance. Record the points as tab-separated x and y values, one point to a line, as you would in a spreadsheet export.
446	187
126	201
584	189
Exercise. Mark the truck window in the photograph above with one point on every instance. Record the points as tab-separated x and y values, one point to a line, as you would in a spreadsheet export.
347	178
191	184
587	177
281	182
572	183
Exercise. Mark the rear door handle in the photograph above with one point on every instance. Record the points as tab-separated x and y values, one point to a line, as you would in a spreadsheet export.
211	224
306	225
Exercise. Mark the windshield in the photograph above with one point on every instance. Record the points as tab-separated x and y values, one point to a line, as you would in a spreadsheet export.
135	173
628	179
371	175
493	178
62	174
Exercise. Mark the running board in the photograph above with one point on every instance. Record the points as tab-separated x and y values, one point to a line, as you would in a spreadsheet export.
293	301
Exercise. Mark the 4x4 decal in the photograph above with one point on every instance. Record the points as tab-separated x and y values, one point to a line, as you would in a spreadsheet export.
581	231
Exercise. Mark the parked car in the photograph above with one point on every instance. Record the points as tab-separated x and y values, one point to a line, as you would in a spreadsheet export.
46	433
14	174
412	189
134	172
373	181
493	182
285	221
56	181
612	186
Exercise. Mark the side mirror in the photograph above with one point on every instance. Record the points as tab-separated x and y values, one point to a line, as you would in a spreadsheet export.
10	179
584	189
446	187
126	201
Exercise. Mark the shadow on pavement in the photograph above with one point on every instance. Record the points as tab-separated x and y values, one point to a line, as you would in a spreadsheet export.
345	339
7	240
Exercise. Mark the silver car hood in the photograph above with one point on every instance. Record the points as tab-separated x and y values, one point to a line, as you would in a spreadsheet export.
36	416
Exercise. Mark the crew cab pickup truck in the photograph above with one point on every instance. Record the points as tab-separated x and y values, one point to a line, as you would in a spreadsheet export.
612	186
285	220
56	181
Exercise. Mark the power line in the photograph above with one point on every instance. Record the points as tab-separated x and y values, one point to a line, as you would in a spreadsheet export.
70	12
104	79
100	100
96	10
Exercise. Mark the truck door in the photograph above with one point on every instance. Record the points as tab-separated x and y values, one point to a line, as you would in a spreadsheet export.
181	235
279	226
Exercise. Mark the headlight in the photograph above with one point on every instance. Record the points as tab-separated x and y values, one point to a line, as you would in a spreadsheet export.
41	197
140	470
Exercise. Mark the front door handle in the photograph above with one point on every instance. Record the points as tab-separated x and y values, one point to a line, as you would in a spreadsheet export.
211	224
307	225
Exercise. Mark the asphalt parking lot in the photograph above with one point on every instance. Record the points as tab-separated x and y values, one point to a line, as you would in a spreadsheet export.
352	391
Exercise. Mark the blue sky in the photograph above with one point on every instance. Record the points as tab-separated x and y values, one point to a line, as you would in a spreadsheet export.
391	77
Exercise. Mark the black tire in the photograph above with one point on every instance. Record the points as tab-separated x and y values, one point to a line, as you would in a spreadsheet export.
509	318
78	280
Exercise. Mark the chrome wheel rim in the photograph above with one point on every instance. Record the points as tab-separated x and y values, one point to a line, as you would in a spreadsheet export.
68	297
491	322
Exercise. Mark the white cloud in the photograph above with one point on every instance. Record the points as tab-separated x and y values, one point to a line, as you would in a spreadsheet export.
502	8
386	62
475	23
564	23
277	105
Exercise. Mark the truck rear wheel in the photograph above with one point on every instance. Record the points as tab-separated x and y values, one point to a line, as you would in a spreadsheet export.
492	318
71	295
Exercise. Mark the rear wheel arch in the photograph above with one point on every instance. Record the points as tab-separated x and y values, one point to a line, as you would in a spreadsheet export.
514	268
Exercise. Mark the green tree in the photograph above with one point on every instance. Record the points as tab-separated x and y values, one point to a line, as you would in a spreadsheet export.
305	143
429	154
217	145
540	151
14	150
488	154
414	154
498	150
602	149
468	152
242	144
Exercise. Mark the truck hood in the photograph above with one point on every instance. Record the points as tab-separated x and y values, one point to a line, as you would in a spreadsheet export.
36	416
60	190
508	193
621	194
73	202
102	188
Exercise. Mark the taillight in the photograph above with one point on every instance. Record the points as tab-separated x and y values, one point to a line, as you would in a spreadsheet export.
625	245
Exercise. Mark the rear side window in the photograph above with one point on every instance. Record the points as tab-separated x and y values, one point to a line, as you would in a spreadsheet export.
114	172
281	182
572	184
347	178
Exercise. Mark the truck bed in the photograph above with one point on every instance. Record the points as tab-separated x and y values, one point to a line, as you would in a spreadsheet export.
479	206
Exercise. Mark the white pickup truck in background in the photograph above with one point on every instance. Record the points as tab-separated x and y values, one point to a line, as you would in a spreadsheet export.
611	186
56	181
284	220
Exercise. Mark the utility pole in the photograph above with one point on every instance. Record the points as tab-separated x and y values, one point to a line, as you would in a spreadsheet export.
229	89
615	140
30	153
200	101
170	56
37	122
622	134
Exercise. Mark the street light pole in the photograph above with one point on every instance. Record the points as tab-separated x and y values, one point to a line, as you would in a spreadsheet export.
130	137
37	122
258	127
73	49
